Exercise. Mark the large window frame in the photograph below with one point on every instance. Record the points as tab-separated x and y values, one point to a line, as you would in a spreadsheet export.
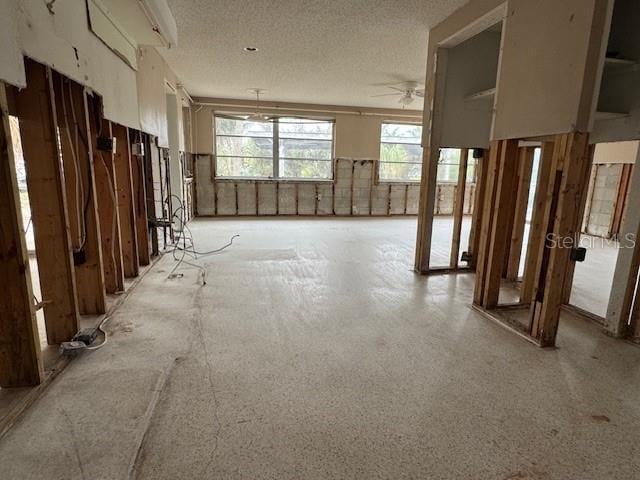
382	178
278	140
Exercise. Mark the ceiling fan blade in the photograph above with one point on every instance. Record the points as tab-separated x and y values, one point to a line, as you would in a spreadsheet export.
403	90
419	93
386	95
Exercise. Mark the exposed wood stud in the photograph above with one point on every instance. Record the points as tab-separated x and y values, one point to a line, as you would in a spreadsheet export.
525	167
106	197
500	228
20	359
476	216
37	113
77	159
537	229
140	203
126	201
458	208
568	184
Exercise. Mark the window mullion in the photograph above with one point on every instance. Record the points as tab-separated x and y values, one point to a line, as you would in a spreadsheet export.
276	149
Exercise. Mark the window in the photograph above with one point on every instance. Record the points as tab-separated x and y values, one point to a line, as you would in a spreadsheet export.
400	152
290	148
449	165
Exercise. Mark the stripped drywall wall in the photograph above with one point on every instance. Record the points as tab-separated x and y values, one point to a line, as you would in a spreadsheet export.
354	191
11	67
605	182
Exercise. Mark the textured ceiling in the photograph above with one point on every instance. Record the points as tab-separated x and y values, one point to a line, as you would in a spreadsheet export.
334	52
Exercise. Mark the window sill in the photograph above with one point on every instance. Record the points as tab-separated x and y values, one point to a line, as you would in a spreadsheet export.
274	180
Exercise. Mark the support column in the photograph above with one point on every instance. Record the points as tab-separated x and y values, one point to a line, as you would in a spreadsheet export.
20	360
425	209
458	208
77	158
37	112
126	202
567	189
525	168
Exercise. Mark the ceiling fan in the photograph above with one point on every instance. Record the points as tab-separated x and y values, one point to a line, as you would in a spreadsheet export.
407	91
257	116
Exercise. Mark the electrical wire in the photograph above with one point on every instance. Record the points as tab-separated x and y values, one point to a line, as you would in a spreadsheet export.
184	245
99	328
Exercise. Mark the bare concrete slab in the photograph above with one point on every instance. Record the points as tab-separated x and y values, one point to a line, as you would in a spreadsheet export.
314	352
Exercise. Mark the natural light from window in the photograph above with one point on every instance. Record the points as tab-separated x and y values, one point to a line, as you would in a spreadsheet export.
400	152
302	148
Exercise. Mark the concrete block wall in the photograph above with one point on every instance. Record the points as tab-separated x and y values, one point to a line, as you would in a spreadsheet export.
355	191
605	181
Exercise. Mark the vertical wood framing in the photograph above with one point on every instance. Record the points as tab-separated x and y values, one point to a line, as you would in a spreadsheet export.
149	193
501	221
539	221
126	201
140	202
458	208
491	171
20	359
77	159
106	196
621	199
567	189
37	113
425	209
476	216
525	168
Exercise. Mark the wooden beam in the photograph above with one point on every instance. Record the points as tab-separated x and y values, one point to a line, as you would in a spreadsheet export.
140	202
77	158
126	200
501	222
568	185
45	179
106	185
425	209
539	221
621	199
525	168
458	208
476	216
492	170
20	359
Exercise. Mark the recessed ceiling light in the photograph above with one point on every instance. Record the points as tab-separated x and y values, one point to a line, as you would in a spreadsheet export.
250	49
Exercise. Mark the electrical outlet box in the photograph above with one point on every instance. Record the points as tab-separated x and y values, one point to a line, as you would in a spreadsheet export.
137	149
79	257
106	144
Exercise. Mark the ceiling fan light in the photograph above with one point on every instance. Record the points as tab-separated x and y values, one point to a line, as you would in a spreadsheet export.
406	100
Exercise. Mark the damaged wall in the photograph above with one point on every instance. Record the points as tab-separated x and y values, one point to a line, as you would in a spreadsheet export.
354	191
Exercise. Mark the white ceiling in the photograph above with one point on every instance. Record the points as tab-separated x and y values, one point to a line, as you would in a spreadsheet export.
333	52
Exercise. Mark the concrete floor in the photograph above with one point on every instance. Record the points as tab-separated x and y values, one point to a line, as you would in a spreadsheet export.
314	352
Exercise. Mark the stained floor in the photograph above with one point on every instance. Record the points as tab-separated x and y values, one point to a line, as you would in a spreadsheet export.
313	351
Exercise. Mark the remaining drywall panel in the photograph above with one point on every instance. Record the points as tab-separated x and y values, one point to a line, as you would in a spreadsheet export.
11	65
151	94
61	39
549	72
357	137
472	67
616	152
205	192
